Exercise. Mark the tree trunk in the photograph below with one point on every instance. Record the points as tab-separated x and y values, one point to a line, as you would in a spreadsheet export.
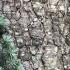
41	31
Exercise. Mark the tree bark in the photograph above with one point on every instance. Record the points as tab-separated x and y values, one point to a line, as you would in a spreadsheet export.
41	31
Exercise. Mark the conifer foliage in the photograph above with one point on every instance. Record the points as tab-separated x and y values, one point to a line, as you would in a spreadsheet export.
8	50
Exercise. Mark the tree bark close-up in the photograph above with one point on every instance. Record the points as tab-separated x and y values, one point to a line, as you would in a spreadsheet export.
41	32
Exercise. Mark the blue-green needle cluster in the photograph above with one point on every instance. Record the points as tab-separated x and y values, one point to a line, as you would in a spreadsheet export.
8	52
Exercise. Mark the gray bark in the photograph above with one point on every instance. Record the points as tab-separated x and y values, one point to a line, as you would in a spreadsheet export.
41	31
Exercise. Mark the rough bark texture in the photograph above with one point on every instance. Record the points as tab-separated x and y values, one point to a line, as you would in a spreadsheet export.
41	29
